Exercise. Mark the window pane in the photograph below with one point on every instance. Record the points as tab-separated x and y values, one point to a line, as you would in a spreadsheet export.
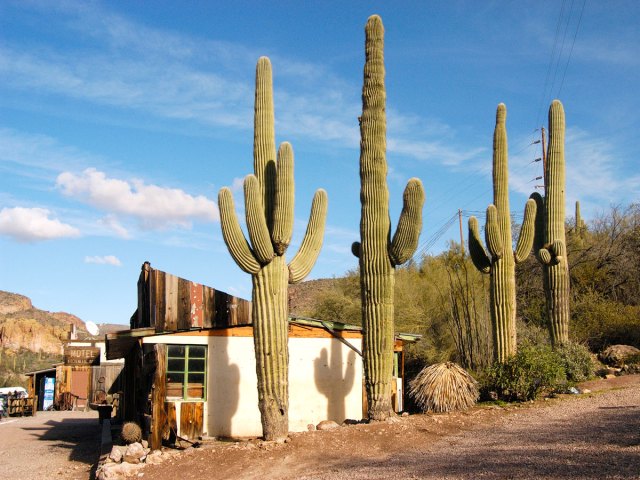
175	365
196	378
197	351
196	365
176	351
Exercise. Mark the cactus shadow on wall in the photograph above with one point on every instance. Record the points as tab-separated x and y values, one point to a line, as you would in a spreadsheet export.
224	388
333	380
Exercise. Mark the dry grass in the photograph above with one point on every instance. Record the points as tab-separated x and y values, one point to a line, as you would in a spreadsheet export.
444	387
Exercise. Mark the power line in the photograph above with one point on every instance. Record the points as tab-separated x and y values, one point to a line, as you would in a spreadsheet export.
584	2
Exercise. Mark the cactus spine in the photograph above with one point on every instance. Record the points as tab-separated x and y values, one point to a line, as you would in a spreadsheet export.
269	198
550	241
379	256
499	262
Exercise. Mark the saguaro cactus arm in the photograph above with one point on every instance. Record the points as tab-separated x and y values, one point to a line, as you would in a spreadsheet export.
232	233
527	232
283	205
492	233
256	221
307	255
264	136
405	240
478	254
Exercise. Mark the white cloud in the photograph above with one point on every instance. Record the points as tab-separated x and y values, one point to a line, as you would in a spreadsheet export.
113	224
104	260
33	224
153	206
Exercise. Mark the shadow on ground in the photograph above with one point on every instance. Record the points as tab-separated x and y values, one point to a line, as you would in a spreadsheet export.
605	444
79	436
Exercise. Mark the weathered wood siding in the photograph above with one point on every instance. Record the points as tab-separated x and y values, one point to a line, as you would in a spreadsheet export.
191	419
170	304
159	415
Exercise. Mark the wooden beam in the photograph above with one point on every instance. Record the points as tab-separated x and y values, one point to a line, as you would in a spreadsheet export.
158	415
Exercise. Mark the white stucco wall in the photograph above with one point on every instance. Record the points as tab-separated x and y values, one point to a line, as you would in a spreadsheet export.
325	382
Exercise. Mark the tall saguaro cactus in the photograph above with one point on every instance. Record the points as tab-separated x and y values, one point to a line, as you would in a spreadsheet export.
377	253
269	197
550	241
499	262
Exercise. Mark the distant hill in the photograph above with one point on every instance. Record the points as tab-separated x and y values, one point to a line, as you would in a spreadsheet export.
303	297
22	326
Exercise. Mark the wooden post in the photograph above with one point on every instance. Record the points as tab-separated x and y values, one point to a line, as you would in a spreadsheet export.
159	416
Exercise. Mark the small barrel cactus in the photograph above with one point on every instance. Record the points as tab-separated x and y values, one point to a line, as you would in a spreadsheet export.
131	432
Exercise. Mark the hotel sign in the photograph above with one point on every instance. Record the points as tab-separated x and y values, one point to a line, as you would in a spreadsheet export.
83	356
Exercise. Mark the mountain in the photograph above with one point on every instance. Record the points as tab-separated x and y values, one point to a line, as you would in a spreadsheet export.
22	326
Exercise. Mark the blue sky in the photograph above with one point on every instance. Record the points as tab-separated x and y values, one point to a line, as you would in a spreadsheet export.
120	121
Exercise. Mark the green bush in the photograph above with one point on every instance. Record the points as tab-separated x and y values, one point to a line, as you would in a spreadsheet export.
600	322
577	362
531	371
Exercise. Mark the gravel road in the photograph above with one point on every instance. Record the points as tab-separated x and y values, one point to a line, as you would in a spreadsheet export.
594	436
59	445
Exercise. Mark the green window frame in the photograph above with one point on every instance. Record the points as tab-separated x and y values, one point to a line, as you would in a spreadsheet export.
186	377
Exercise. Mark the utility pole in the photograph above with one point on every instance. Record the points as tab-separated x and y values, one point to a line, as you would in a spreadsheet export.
461	237
544	158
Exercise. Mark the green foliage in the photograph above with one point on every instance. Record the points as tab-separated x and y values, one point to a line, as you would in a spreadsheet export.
531	371
599	322
577	362
14	363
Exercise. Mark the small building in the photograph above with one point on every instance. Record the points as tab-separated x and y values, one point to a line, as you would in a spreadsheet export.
84	377
190	364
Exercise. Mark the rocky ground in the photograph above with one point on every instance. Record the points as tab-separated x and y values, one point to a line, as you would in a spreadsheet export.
592	436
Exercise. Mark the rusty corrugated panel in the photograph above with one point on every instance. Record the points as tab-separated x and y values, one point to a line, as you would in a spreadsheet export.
196	292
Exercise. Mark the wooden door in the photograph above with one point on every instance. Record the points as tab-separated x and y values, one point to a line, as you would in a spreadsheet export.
191	419
80	386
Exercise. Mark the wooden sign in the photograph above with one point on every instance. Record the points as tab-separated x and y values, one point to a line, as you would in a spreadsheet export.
84	356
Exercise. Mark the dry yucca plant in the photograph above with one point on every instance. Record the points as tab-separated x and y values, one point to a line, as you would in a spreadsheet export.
444	387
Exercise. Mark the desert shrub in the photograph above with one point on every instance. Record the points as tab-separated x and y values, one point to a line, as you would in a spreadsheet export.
600	322
444	387
577	362
531	371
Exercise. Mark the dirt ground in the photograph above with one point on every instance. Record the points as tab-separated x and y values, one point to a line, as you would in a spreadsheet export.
592	436
49	445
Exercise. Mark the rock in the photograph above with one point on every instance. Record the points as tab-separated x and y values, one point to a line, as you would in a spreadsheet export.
327	425
145	444
116	454
405	414
311	427
609	375
584	391
155	458
617	355
118	471
134	454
